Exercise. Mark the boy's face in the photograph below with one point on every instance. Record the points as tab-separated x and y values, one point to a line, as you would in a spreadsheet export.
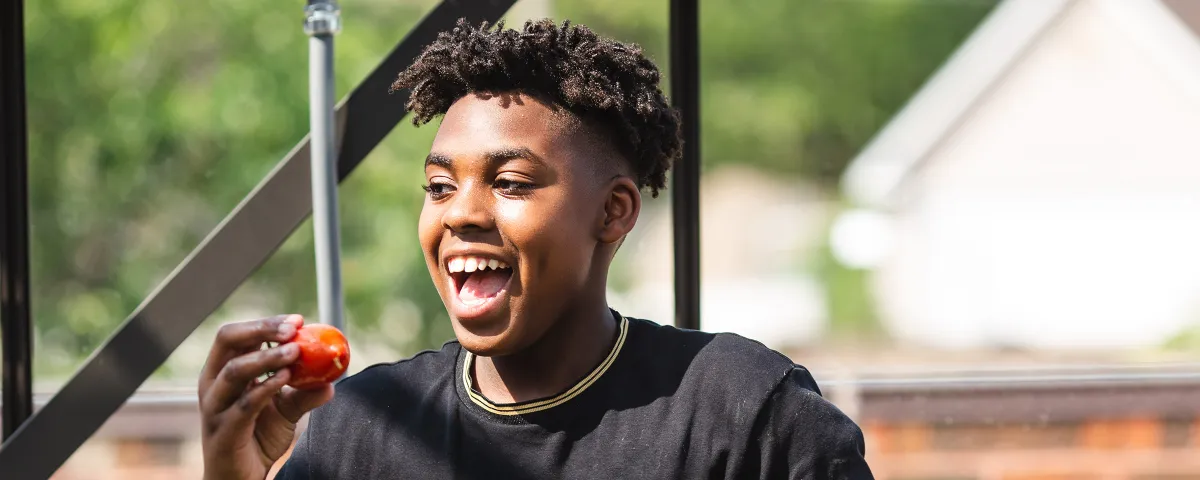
513	183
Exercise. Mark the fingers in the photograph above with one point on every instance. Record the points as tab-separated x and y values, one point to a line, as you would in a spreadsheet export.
240	372
294	403
244	411
235	339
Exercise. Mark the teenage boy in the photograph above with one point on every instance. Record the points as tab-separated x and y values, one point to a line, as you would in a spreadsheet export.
548	137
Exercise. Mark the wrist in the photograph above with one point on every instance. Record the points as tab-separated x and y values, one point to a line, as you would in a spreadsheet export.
221	474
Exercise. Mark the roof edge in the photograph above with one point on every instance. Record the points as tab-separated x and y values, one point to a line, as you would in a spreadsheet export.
1165	37
874	175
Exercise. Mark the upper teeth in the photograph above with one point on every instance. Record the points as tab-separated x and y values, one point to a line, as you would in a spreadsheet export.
471	264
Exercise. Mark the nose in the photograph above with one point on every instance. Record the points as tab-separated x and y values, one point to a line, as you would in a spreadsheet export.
470	209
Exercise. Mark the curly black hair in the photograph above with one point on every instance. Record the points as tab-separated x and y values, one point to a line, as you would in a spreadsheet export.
590	76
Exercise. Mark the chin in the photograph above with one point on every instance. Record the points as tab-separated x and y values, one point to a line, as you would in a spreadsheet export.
485	346
491	340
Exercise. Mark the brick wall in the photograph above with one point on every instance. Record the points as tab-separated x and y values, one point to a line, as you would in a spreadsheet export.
1135	448
1135	430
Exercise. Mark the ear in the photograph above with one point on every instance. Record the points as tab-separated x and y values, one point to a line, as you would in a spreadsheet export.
621	209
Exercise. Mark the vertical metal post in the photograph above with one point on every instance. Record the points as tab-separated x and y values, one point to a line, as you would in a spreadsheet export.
15	323
322	21
685	182
227	256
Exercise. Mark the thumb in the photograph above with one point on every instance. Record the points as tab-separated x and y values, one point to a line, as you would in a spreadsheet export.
293	403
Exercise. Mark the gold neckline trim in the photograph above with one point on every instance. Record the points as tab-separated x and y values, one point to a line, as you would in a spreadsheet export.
524	408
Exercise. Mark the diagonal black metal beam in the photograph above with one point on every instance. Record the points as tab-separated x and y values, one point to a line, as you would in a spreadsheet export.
685	181
16	329
230	254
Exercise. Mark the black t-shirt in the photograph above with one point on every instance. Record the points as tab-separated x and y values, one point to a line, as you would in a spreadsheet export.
666	403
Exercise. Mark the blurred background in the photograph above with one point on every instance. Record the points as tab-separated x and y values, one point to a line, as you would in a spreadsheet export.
976	221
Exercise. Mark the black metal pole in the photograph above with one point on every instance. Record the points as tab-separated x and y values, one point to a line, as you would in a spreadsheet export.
224	259
685	183
15	326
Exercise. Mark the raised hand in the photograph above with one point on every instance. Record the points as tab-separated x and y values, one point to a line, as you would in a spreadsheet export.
248	423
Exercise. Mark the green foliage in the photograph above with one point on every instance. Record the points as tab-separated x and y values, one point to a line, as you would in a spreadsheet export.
1187	340
798	86
848	296
149	121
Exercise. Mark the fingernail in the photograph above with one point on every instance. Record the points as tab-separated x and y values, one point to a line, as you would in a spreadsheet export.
286	330
289	349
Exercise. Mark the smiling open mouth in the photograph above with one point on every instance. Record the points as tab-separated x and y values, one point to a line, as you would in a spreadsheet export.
477	280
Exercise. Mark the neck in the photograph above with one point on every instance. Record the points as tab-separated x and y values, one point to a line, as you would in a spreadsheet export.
575	345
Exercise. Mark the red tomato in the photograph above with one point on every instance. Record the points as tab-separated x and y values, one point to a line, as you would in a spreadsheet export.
324	356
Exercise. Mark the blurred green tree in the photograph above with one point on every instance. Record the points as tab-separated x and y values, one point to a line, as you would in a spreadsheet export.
149	121
797	86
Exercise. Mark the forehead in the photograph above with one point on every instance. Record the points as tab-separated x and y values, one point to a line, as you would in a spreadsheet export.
478	124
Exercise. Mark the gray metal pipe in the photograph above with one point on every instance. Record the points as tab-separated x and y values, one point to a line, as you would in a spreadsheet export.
322	22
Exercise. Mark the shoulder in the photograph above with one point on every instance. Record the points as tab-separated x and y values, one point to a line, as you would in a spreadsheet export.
385	400
773	403
798	430
421	372
721	357
796	404
723	375
423	363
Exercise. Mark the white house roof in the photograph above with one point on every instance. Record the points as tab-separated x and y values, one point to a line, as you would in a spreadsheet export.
875	176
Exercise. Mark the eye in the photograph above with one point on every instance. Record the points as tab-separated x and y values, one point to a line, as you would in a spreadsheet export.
513	187
438	190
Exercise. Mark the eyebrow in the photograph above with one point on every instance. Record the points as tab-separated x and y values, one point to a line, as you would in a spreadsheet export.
505	154
493	157
437	160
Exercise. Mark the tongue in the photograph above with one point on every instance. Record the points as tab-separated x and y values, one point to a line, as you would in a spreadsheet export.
483	285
